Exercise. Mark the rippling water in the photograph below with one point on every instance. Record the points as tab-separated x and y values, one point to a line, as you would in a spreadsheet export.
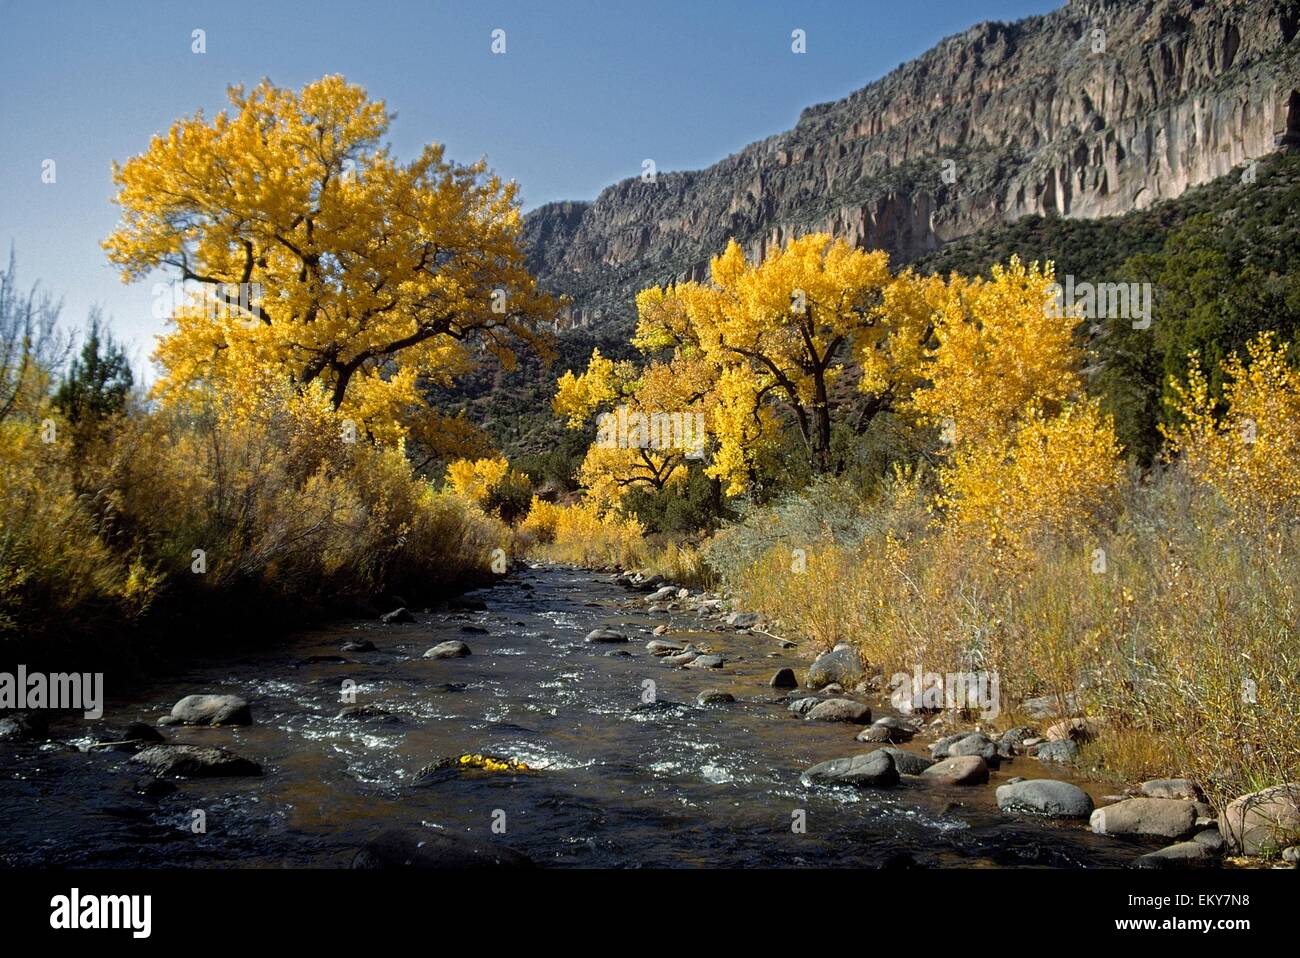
616	783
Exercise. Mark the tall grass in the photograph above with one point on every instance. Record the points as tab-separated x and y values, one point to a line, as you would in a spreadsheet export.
1180	625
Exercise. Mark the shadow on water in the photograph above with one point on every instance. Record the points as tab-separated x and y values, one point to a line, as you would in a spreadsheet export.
613	783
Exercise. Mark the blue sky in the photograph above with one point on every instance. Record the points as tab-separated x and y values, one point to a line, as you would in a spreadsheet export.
584	93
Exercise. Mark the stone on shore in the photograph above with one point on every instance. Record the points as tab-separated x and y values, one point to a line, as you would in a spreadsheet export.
843	665
1182	855
840	710
1263	822
1148	817
1183	788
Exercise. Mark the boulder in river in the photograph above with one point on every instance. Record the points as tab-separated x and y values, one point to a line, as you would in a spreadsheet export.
1182	855
705	662
426	848
23	727
803	705
209	710
397	615
784	679
959	770
1046	797
869	770
661	648
1263	822
358	645
907	763
453	649
194	761
843	664
714	697
684	657
599	636
1156	817
840	710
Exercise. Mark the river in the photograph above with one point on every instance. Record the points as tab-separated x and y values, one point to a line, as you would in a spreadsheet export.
615	782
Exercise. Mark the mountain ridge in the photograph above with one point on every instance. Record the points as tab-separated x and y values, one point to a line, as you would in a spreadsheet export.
1038	116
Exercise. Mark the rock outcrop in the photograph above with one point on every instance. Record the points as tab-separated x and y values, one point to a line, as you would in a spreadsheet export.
1095	109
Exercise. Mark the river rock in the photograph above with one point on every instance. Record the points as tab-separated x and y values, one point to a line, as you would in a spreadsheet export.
959	770
660	595
23	727
1263	822
874	734
660	630
660	647
975	744
397	615
1062	751
784	679
1046	797
453	649
840	710
428	849
714	697
194	761
685	657
209	710
358	645
1182	855
705	662
596	636
907	763
897	729
1212	839
870	770
360	712
1183	788
843	664
1075	729
803	705
142	732
1153	817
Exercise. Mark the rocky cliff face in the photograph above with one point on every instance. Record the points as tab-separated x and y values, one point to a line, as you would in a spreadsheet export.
1095	109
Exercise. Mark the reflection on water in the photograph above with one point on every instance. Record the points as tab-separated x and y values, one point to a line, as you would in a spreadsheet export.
614	783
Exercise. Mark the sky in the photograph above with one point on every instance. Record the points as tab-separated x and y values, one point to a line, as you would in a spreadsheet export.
584	92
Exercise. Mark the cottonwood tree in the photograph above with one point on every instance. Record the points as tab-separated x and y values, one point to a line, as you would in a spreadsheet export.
781	334
329	262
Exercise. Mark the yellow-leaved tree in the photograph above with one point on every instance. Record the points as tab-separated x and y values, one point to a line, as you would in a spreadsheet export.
759	347
1029	452
325	259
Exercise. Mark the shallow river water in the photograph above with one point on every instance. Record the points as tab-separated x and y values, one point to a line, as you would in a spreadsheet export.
615	783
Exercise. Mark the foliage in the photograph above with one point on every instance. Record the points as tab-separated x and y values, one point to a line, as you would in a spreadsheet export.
357	273
97	383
